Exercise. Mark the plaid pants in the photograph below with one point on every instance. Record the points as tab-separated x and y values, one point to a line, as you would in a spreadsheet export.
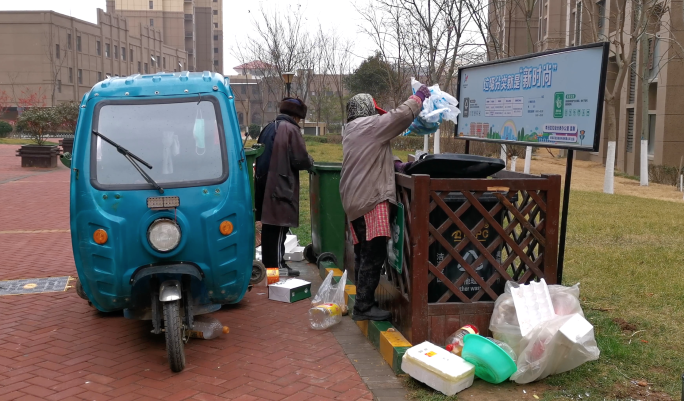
369	257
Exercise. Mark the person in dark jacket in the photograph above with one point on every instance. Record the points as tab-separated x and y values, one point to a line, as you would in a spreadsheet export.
277	181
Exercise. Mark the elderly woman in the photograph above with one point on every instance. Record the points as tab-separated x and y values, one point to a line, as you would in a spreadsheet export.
367	188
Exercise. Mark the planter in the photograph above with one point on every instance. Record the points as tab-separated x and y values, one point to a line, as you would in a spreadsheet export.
38	156
67	145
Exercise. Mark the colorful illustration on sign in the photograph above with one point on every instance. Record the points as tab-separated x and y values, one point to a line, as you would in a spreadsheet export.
509	131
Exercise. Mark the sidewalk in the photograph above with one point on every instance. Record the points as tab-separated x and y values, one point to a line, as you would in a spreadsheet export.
54	346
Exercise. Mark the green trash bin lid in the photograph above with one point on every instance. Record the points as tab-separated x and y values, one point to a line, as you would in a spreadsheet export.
327	166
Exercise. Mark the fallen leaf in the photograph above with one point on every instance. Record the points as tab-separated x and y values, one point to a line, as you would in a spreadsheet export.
535	396
642	383
644	341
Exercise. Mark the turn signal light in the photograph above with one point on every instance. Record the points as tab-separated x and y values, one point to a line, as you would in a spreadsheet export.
100	236
226	227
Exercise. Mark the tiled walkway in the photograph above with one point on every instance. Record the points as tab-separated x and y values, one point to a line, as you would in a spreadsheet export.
55	347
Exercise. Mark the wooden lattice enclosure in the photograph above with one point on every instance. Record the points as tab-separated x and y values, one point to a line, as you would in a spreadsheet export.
463	239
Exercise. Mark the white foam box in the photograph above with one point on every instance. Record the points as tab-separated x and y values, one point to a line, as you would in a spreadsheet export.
289	291
576	328
296	255
438	368
532	305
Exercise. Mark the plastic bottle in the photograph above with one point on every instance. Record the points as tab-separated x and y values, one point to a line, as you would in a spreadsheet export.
325	315
206	327
454	343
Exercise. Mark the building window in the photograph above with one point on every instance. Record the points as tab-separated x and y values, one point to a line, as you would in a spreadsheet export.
255	89
57	51
151	22
69	41
78	43
59	86
216	63
601	20
131	55
215	1
145	68
163	62
98	48
151	5
215	37
80	76
215	50
116	51
99	76
139	69
215	25
108	49
243	89
215	12
123	53
71	75
630	130
651	134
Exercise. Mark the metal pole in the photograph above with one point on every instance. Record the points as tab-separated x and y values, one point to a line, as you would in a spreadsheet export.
287	86
467	147
564	215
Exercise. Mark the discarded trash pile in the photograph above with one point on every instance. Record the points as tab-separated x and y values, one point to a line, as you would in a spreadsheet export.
538	331
328	305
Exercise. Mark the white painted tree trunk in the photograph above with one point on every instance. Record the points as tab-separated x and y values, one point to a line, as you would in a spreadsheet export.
514	160
609	179
437	149
426	143
504	157
681	182
528	159
643	169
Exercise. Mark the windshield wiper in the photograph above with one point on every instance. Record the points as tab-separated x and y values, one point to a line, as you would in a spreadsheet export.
130	157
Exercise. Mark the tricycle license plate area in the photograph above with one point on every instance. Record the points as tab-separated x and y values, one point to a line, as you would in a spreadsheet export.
163	202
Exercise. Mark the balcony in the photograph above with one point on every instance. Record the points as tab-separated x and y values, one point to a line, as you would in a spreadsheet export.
188	17
189	35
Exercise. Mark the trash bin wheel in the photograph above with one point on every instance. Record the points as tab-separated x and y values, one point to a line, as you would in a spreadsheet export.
173	331
79	290
258	272
326	257
309	254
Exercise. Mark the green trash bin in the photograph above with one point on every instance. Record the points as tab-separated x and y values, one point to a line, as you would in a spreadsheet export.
328	220
258	268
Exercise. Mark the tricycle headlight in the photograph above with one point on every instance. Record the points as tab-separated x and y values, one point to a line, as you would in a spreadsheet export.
164	235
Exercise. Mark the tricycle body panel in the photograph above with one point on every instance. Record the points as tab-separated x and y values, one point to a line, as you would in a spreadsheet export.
225	261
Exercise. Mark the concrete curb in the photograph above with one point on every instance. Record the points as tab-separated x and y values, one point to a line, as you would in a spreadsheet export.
385	338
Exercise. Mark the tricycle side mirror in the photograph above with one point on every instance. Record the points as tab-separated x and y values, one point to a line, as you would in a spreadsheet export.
66	159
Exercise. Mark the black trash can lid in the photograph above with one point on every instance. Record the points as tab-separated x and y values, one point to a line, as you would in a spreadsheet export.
452	165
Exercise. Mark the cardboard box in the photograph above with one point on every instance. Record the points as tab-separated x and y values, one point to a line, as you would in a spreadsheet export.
296	255
289	291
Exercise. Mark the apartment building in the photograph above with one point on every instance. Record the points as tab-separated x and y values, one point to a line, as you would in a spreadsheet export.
43	51
566	23
195	26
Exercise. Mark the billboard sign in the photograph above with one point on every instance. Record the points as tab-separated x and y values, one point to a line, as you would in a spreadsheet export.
551	99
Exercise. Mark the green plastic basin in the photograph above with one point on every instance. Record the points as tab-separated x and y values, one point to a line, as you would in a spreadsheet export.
492	364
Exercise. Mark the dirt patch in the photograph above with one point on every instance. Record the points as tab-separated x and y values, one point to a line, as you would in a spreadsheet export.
636	392
507	391
624	325
588	176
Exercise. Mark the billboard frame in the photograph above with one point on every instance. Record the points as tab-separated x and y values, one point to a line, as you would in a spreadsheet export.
599	106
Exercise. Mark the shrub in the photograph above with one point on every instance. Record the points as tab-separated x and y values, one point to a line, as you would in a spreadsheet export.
667	175
253	131
67	113
37	122
5	129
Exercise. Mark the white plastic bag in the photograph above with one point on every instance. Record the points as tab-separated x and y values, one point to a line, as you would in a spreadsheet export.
545	350
438	107
331	293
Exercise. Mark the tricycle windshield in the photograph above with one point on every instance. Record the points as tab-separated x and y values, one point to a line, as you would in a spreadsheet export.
180	138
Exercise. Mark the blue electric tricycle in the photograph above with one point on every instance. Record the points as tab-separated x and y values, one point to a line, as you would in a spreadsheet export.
161	210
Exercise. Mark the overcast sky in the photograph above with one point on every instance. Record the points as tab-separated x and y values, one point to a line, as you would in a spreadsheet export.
238	18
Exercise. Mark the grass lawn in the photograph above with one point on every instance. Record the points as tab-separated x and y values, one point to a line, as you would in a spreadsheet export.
15	141
627	254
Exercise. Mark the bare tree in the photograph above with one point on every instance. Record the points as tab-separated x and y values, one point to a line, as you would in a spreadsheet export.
56	57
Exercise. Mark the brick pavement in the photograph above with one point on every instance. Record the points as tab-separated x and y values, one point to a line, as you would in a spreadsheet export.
55	347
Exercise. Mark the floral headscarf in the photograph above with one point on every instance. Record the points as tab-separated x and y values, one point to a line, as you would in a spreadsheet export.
361	105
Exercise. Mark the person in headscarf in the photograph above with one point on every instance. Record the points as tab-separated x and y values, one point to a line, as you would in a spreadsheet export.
367	188
276	188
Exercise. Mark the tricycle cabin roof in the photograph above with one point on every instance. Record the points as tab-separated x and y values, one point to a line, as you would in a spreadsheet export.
161	84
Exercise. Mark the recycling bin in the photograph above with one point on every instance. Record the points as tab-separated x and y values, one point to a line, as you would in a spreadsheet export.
258	268
250	155
328	220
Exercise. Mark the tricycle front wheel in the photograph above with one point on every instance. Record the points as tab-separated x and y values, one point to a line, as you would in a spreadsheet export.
258	272
173	330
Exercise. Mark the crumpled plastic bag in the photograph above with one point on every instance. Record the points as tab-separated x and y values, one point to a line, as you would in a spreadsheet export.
438	107
543	351
331	293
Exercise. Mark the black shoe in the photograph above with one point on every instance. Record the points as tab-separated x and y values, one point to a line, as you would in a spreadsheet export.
288	272
374	313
